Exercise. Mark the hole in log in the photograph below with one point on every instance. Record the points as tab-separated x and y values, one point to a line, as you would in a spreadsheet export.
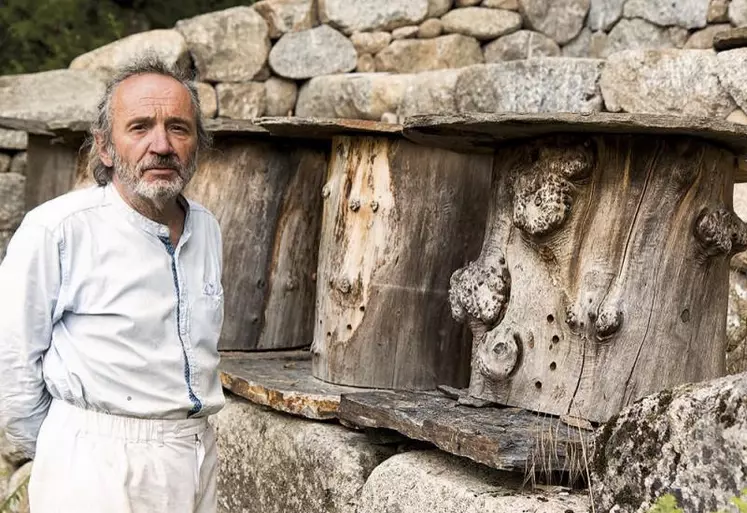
349	326
553	366
550	319
538	385
362	308
260	283
555	339
329	333
685	315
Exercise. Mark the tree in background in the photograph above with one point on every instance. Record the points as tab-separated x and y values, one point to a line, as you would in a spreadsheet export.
39	35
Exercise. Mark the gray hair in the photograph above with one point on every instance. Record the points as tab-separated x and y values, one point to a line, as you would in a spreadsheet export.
102	125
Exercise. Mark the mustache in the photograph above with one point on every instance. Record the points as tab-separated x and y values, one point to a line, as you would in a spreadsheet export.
162	162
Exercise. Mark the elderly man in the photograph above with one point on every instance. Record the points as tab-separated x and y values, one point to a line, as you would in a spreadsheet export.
111	310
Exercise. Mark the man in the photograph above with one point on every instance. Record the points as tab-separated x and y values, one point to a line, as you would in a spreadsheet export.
110	315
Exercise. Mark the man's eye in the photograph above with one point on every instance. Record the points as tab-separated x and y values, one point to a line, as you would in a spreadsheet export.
179	129
137	128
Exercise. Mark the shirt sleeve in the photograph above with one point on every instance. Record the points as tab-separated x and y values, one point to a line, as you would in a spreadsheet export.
30	280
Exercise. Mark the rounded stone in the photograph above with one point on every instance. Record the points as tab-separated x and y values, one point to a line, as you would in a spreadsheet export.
430	29
280	97
560	20
481	22
523	44
311	53
366	63
370	42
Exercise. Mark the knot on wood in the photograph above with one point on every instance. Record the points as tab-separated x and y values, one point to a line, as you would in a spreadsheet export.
608	323
344	286
499	355
543	193
721	231
481	292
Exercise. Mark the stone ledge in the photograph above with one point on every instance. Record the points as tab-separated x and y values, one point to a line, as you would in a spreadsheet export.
274	463
436	482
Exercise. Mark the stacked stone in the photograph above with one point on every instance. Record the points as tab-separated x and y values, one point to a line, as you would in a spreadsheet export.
12	181
373	59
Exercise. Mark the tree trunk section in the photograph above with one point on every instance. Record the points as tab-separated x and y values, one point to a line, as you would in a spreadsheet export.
53	163
398	219
266	196
604	272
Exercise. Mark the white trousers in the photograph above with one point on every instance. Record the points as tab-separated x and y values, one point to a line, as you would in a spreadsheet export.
88	462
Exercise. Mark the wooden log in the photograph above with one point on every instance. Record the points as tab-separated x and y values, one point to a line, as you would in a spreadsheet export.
266	196
54	161
398	218
502	438
604	271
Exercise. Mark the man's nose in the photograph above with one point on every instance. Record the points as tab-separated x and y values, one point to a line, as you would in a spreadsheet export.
160	143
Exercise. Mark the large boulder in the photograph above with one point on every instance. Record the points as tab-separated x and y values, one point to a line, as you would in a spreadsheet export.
689	442
431	92
287	15
311	53
275	463
560	20
167	45
524	44
208	99
603	14
684	13
436	482
363	15
536	85
482	23
639	34
352	95
241	100
13	139
413	55
677	82
52	95
228	46
732	71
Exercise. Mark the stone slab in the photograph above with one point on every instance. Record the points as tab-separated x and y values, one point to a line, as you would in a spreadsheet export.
728	39
326	128
471	132
13	139
270	462
434	482
283	381
502	438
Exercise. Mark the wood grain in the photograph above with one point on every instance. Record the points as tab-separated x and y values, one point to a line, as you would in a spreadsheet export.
617	250
266	196
398	218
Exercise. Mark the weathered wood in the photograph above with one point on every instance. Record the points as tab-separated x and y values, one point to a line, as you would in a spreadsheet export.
281	380
604	271
266	196
398	218
483	132
502	438
53	162
323	128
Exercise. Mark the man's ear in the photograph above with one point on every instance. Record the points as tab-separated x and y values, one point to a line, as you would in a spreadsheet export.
104	155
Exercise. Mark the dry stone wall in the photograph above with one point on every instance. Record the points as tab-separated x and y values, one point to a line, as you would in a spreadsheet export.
374	58
12	181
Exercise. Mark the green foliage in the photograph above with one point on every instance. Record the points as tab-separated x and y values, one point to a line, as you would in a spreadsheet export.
668	504
38	35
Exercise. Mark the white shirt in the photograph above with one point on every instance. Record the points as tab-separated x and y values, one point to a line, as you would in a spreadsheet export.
97	309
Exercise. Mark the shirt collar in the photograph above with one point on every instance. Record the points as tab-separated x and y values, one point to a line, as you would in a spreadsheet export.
139	220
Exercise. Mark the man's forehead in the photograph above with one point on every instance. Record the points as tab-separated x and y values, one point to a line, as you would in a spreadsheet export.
146	91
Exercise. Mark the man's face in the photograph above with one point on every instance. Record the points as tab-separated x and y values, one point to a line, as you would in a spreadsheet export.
154	137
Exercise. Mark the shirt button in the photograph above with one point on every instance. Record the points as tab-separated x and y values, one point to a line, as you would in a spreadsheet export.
163	231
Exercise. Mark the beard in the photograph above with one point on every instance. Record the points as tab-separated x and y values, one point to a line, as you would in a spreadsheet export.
158	191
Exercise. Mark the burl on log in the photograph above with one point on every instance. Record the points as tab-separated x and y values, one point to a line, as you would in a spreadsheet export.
603	275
